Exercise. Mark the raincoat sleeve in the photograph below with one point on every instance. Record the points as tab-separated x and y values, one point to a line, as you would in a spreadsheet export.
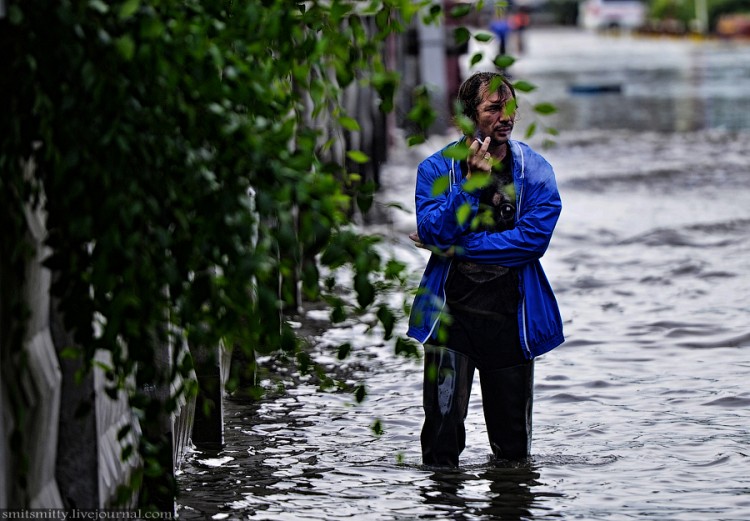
444	216
540	208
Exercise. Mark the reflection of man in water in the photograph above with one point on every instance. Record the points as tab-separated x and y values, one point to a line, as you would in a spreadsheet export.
485	272
510	494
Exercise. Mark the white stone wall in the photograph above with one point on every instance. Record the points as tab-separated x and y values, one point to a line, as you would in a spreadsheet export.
41	396
41	383
111	416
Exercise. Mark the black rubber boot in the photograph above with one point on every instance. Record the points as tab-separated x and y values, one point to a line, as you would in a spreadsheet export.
507	400
448	376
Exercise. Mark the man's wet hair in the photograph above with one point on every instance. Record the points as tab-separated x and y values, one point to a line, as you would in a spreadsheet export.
469	93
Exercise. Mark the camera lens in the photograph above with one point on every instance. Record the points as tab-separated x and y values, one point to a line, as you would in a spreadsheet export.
507	211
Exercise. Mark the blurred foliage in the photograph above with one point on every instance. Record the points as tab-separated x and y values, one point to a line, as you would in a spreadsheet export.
681	12
684	11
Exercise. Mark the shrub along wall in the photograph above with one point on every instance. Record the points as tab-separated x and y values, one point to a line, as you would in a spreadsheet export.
150	124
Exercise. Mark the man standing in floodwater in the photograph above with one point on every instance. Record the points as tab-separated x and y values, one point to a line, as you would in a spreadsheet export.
484	301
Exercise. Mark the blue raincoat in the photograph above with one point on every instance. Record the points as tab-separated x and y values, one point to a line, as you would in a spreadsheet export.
439	226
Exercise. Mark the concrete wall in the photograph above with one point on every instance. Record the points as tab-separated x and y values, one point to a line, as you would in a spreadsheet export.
70	428
41	383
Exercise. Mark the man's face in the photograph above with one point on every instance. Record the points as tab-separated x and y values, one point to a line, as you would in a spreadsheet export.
495	116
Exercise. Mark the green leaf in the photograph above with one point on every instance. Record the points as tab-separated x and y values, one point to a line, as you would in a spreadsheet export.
388	319
377	427
460	10
99	6
504	61
531	130
464	123
360	393
358	156
440	185
478	181
416	139
152	28
382	19
433	14
338	314
394	269
15	15
125	46
344	350
463	213
510	107
545	108
483	37
349	123
524	86
127	451
304	362
407	347
364	201
128	8
461	35
365	290
71	353
124	431
476	58
458	152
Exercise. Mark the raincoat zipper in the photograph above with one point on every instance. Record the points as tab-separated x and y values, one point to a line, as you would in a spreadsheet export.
445	297
525	336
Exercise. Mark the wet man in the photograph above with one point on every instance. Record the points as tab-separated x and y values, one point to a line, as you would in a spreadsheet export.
484	301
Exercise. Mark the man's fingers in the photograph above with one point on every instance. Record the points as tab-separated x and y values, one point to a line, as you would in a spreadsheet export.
478	149
414	236
484	147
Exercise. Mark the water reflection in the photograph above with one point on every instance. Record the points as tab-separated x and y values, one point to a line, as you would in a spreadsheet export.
497	492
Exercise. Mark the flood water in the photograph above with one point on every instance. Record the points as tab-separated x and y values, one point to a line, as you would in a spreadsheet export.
643	413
